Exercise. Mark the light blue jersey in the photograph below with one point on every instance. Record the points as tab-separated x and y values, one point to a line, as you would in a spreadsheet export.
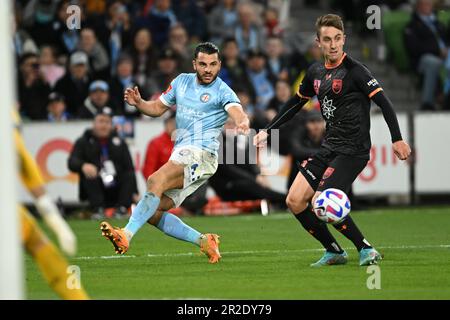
201	110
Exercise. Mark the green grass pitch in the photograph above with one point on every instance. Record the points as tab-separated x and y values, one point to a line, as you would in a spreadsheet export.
265	258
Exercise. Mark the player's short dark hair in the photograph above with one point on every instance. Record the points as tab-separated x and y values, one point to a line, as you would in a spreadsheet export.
206	47
329	20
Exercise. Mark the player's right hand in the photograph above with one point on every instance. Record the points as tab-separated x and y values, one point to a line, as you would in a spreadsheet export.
132	96
89	170
260	140
401	149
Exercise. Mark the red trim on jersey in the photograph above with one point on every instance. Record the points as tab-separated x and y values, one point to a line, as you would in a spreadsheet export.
374	92
337	64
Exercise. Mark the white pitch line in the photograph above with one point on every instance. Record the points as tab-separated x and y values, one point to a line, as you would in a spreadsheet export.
184	254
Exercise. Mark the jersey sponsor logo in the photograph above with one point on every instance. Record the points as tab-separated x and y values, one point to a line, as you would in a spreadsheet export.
337	86
316	86
327	108
328	173
372	83
168	89
205	97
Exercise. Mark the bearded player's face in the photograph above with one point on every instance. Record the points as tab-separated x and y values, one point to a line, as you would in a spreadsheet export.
331	41
207	67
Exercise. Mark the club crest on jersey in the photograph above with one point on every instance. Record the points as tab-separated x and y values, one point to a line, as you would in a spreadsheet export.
337	86
205	97
316	86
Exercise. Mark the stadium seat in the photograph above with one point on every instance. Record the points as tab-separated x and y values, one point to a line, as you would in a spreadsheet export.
394	23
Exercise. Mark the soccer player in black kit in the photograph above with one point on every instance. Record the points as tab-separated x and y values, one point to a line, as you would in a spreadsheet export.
344	88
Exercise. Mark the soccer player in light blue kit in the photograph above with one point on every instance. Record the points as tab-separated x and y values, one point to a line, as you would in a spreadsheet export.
204	103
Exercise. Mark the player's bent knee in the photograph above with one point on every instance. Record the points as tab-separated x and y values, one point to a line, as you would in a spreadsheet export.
296	203
154	220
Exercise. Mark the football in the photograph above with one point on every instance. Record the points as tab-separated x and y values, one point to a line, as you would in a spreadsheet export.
332	205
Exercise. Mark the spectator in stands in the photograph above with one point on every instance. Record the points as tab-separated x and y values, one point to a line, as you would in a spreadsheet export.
40	21
103	162
233	70
50	69
260	78
235	181
179	43
305	140
192	18
158	21
277	61
57	108
123	79
74	85
32	87
144	55
247	34
426	42
158	153
98	57
299	62
119	32
222	19
23	43
66	40
271	23
166	72
97	99
282	95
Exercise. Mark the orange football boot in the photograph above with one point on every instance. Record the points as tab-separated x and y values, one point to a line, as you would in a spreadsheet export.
209	245
116	236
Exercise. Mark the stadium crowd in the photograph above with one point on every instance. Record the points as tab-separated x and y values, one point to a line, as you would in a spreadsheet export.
66	74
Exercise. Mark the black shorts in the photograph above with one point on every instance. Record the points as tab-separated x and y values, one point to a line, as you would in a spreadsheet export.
328	169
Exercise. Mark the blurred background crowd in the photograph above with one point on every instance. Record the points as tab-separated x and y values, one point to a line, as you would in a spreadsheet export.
266	48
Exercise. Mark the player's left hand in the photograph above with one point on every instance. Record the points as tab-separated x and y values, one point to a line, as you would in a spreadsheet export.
401	149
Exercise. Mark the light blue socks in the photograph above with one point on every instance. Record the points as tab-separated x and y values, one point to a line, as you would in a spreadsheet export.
144	210
172	226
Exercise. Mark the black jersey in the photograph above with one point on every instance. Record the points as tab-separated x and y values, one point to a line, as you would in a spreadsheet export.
344	93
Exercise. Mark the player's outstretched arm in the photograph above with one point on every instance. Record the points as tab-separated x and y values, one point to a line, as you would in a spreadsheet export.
401	149
154	108
286	113
240	119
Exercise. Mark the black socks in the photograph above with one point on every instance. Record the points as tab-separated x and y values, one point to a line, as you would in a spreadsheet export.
349	229
318	230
